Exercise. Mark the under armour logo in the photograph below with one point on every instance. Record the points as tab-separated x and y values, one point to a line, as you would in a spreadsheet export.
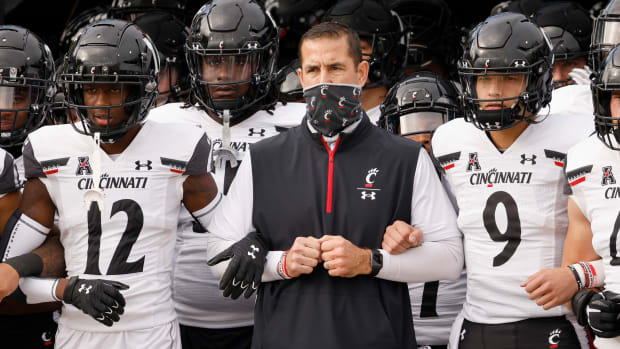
261	133
525	158
148	164
608	176
254	249
463	335
84	289
372	195
253	45
519	63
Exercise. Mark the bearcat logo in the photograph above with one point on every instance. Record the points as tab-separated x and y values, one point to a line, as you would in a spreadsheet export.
51	166
557	157
578	175
447	161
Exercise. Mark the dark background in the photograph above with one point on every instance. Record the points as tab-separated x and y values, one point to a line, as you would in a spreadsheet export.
48	18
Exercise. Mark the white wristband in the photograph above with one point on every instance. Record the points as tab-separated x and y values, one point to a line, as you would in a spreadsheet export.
39	290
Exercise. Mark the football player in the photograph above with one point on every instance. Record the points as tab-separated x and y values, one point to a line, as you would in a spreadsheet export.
169	35
593	222
382	37
569	27
26	87
577	98
233	70
503	163
414	108
116	182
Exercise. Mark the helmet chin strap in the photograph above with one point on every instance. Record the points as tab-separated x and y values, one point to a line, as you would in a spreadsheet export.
96	193
225	153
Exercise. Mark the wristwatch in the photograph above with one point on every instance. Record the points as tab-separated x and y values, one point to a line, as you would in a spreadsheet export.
376	262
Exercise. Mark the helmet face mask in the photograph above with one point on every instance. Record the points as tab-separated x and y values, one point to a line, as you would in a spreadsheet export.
605	93
231	53
26	84
419	104
111	87
499	50
605	35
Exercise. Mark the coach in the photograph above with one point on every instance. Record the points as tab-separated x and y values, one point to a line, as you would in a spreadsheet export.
307	212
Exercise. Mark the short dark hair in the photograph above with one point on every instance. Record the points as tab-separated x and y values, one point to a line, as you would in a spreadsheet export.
334	30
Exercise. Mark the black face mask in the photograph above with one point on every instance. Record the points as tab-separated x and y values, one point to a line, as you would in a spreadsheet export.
332	107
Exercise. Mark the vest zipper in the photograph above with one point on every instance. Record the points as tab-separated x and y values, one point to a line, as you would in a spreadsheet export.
330	174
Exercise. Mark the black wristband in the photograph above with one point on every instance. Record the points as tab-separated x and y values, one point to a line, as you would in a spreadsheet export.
29	264
376	262
576	274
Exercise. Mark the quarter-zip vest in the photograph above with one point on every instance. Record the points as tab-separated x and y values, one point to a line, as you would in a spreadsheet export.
357	190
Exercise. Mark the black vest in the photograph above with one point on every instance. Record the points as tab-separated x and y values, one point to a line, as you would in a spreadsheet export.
372	186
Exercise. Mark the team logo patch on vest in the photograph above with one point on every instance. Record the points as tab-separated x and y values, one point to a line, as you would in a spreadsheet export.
578	175
51	166
369	192
557	157
473	164
447	161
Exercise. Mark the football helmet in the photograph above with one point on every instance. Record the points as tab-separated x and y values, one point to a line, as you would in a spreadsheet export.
605	35
605	83
503	46
382	30
27	75
419	104
231	52
111	52
169	35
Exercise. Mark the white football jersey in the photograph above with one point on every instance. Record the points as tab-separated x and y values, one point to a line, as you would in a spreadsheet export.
19	163
434	307
130	237
512	210
198	300
573	99
10	179
374	114
591	172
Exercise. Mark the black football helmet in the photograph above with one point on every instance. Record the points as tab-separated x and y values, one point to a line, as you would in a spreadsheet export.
419	104
605	35
382	29
605	83
431	35
231	52
505	45
27	85
129	10
289	85
568	26
111	52
297	15
78	24
524	7
169	35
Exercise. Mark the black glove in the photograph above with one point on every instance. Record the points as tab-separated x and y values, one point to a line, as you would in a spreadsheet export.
604	314
101	299
580	303
245	269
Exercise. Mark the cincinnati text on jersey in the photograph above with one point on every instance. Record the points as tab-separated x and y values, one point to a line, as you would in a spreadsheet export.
107	182
494	176
238	146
